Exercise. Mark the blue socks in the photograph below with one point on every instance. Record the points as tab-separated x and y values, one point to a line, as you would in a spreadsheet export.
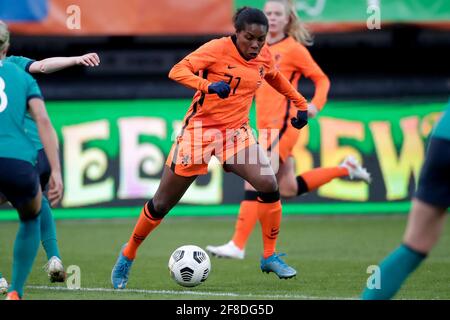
394	270
25	250
48	230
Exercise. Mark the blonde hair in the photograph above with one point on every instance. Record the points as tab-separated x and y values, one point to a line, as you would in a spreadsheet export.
4	36
295	27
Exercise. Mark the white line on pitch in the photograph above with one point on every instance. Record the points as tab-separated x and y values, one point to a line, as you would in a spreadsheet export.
190	292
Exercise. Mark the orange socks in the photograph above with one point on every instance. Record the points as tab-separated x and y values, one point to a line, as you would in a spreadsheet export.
268	213
145	224
315	178
248	215
270	218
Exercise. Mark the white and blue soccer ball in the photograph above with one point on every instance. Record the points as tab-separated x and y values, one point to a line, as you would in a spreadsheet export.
189	265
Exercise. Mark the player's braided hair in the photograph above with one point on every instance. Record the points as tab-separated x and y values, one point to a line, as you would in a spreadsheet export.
248	15
295	27
4	35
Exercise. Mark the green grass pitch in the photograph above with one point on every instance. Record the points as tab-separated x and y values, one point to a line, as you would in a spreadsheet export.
330	253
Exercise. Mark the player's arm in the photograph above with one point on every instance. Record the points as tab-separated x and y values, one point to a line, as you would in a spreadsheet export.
322	87
306	64
185	72
54	64
283	86
50	141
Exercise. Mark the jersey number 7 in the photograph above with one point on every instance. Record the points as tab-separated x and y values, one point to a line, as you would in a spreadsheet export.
230	79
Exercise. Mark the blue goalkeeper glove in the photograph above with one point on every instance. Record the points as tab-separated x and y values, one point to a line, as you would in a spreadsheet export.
301	120
221	88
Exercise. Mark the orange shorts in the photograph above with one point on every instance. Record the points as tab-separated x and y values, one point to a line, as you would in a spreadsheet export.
281	141
193	150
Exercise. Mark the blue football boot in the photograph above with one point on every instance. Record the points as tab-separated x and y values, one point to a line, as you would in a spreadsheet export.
121	270
278	266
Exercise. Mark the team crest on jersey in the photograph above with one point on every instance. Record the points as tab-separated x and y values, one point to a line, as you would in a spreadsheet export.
277	59
185	160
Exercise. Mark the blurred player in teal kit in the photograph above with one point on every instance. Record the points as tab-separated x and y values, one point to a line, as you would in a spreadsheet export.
19	178
54	267
427	216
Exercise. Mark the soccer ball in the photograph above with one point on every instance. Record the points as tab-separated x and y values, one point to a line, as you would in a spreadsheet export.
189	265
3	285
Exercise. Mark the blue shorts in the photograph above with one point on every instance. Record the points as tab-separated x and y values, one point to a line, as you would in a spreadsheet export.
19	181
43	168
434	181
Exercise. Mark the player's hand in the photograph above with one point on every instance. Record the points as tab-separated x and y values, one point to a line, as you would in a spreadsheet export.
221	88
56	188
88	60
301	120
312	111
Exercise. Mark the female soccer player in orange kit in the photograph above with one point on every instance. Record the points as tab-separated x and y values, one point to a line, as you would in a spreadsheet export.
287	38
229	71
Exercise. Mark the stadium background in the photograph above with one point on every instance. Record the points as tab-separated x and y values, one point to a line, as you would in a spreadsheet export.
116	124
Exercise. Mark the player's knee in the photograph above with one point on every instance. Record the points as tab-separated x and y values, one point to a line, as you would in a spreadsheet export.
28	212
158	209
268	184
288	190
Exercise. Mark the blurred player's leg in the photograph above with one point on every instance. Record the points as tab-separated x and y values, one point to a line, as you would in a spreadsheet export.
54	266
248	215
26	245
290	186
48	231
19	184
262	178
170	191
425	225
425	222
355	170
315	178
25	250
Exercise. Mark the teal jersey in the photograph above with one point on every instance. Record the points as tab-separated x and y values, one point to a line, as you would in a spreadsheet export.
32	131
442	129
16	88
30	126
22	62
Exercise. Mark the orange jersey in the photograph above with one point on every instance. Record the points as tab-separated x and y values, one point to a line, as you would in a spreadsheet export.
218	60
293	60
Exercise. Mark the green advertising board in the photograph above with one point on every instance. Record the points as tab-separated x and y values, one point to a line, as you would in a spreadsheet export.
359	10
113	154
